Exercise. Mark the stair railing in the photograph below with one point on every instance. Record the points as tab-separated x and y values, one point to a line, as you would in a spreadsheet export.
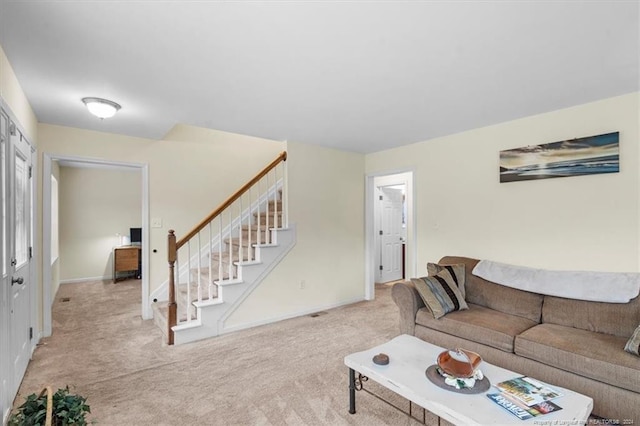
233	217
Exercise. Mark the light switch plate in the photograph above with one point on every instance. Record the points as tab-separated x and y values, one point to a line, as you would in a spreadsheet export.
156	222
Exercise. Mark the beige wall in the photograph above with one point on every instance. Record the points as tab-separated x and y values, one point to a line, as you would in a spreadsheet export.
326	202
190	172
95	205
585	222
15	98
194	169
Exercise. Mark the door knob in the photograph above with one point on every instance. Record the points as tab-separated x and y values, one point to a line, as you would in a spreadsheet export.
18	280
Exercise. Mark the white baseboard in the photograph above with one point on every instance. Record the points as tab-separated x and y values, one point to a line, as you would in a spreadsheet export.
225	330
81	280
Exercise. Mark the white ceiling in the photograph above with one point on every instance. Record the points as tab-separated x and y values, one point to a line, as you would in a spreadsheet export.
357	75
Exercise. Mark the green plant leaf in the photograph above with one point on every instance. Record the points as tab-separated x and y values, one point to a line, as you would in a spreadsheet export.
67	409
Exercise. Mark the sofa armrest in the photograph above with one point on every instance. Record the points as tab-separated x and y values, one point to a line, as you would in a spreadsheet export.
409	301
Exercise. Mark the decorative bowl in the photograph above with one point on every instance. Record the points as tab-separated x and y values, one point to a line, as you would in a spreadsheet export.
460	363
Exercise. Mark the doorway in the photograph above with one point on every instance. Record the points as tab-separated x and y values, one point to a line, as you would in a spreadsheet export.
49	283
390	230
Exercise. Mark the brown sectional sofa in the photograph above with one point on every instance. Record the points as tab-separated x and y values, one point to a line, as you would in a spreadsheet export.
574	344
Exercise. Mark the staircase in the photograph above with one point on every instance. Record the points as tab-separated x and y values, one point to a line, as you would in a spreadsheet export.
224	258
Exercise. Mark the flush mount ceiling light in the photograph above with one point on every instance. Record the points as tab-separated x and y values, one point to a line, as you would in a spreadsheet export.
101	108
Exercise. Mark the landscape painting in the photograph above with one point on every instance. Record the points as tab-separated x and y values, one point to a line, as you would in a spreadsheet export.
575	157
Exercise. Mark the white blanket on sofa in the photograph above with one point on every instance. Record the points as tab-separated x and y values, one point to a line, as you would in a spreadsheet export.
612	287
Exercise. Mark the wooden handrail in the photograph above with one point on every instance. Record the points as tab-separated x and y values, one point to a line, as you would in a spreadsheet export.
199	227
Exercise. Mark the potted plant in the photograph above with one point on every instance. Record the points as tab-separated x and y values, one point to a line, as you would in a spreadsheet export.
65	409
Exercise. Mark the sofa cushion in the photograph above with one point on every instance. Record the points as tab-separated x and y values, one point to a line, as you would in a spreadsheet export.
495	296
440	294
619	319
633	344
478	324
456	271
594	355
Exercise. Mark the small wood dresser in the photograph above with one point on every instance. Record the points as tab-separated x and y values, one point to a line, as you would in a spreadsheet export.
126	259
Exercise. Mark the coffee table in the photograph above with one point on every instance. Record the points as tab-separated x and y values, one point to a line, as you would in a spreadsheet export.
405	375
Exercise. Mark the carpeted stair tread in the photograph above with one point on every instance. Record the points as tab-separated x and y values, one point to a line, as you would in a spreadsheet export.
225	257
262	218
259	233
275	205
204	273
193	288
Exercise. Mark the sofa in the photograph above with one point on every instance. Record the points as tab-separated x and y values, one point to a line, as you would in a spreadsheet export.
575	344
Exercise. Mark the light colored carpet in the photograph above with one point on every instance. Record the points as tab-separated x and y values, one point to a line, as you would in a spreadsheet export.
287	373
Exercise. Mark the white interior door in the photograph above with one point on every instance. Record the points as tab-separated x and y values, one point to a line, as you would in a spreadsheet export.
19	215
391	234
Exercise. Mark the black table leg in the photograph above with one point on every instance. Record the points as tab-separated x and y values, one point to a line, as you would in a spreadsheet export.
352	391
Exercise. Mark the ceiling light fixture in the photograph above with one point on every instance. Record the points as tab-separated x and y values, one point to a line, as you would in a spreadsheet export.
101	108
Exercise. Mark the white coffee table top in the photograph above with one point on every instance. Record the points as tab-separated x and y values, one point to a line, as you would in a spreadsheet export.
405	375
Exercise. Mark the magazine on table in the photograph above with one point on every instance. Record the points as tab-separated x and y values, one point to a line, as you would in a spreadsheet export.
528	390
521	411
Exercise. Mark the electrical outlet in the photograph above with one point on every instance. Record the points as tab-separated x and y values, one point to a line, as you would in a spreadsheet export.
302	285
156	222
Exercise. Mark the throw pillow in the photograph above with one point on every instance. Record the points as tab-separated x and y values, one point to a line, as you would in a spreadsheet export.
456	271
633	345
440	293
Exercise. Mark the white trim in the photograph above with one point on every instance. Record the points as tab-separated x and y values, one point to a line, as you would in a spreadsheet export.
47	297
83	280
46	226
290	315
406	177
33	265
147	312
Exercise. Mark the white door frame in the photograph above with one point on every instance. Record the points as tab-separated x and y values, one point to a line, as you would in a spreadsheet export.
47	298
392	177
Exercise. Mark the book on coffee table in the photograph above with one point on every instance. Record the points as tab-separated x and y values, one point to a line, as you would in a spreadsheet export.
528	390
520	410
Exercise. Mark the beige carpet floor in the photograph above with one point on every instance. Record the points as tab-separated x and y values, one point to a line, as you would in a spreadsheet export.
287	373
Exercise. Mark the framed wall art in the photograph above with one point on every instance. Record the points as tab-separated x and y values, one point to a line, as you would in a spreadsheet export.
575	157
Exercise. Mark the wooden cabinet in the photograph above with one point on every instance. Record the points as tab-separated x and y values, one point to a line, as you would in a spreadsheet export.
126	259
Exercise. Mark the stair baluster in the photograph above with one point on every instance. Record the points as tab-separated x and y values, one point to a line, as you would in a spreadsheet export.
276	222
284	195
266	228
220	275
230	248
240	249
249	229
210	283
188	281
199	280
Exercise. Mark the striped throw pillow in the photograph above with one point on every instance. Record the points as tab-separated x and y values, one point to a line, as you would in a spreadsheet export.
633	345
456	271
440	293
